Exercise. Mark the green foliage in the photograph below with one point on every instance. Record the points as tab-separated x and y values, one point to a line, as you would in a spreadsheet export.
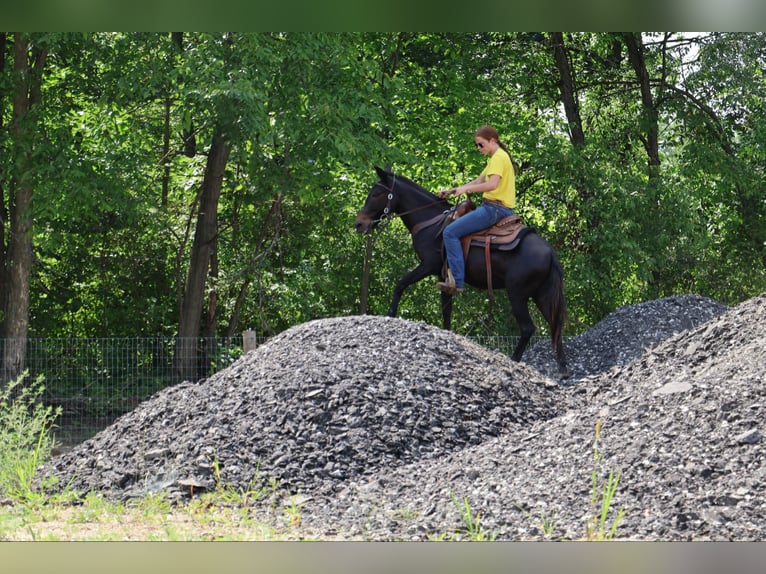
308	115
25	437
544	522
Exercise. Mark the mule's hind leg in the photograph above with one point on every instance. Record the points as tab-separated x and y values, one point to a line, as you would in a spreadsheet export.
520	310
557	342
557	338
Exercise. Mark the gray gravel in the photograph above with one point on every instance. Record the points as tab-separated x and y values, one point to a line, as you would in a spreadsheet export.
381	429
626	334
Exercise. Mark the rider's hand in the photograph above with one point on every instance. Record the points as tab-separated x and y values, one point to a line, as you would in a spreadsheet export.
444	193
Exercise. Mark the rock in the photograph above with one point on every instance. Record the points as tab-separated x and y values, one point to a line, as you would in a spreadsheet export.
751	436
673	387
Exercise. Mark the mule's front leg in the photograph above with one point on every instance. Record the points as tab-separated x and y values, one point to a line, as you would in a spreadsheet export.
420	272
446	310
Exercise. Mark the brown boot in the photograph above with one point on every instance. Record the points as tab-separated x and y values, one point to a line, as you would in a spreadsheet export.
448	285
449	289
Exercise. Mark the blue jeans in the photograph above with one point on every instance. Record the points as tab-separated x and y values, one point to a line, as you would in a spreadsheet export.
484	216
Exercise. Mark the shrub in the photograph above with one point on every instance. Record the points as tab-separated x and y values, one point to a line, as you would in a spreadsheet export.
26	440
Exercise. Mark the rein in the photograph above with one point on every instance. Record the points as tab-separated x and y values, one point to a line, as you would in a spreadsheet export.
387	210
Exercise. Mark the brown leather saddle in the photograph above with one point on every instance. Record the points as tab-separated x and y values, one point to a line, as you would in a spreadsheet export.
505	235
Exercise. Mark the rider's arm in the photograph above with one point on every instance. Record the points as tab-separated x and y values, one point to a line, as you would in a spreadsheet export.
481	184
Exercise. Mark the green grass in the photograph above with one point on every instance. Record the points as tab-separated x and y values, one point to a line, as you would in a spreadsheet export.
25	436
544	522
153	517
597	527
602	494
470	530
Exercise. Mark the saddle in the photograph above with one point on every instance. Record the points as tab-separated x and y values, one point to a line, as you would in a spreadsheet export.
505	235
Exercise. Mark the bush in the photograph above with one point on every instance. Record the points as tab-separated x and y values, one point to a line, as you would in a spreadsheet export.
25	436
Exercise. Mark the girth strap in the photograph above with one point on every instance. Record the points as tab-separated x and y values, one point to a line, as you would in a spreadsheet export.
487	264
505	232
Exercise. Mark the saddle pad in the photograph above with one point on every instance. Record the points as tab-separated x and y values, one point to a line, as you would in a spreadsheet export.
504	246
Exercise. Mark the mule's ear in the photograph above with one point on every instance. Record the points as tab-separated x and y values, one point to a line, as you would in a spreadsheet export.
383	174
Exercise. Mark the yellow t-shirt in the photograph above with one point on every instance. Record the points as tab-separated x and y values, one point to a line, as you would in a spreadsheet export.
500	163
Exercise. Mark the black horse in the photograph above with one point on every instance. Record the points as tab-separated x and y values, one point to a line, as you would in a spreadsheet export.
532	270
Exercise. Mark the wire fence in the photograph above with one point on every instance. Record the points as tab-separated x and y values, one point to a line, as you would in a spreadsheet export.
97	380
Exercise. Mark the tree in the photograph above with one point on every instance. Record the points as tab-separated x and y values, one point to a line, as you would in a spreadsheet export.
28	65
723	155
205	237
641	162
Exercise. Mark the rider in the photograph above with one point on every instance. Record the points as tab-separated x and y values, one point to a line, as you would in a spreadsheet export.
497	183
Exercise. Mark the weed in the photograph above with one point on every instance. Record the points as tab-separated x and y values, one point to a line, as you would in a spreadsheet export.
545	523
293	510
94	508
406	514
602	497
437	537
232	496
471	530
26	440
154	505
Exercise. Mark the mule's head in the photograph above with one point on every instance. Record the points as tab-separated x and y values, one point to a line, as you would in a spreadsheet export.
376	203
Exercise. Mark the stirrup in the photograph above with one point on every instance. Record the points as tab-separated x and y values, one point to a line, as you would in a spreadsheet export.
449	289
448	285
449	281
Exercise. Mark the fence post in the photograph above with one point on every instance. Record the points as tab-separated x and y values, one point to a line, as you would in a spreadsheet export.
249	342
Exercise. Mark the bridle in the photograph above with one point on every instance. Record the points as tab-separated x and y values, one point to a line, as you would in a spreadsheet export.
384	217
387	209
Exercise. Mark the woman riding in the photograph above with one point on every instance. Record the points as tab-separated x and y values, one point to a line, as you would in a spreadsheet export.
497	183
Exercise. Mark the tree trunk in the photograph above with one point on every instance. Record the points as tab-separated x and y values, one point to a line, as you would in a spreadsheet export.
568	94
651	141
19	255
567	90
3	208
259	252
211	316
185	360
364	294
187	132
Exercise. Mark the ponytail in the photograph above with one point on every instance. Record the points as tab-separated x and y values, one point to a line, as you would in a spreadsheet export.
490	133
513	161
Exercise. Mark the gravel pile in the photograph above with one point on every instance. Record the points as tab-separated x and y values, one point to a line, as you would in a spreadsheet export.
321	403
384	429
625	335
683	424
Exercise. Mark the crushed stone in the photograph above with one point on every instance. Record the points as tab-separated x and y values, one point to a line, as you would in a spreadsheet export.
384	429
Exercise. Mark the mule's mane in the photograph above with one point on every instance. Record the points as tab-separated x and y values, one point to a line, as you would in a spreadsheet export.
415	189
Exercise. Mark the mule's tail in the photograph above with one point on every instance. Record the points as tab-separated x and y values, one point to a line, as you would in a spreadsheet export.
557	310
